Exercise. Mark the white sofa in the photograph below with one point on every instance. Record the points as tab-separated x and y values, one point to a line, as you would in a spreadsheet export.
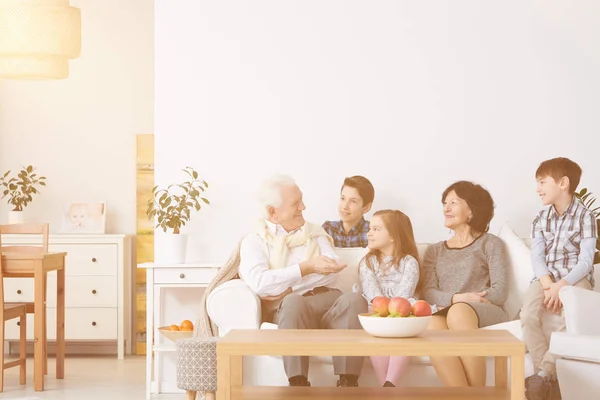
578	368
234	306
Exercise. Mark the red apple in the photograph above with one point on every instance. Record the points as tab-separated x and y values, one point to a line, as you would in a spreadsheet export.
380	305
421	308
399	307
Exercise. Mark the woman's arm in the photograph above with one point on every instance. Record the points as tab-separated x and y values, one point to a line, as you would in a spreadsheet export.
498	264
431	287
406	278
369	282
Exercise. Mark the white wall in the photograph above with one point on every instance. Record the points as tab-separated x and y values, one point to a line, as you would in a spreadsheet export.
412	95
80	132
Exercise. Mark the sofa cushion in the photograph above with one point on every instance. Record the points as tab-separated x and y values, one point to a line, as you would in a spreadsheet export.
513	327
521	272
348	277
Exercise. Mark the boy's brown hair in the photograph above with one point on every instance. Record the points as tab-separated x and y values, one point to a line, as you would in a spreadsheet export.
559	167
364	187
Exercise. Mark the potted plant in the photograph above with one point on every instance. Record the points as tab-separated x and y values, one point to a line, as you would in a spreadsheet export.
171	207
588	200
20	190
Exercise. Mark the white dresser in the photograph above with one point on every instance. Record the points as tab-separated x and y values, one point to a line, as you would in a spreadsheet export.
97	289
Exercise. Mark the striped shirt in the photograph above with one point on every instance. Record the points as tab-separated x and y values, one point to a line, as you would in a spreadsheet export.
560	237
357	237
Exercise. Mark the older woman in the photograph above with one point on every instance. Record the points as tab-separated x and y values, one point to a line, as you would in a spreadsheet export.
466	276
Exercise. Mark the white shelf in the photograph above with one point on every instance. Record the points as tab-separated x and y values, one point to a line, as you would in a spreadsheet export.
170	289
165	347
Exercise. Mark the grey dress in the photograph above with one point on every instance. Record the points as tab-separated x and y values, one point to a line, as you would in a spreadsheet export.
482	265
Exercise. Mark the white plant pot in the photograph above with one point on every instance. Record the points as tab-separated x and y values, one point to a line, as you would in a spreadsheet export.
15	217
169	249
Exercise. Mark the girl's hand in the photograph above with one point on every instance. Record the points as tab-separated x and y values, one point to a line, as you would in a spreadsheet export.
471	297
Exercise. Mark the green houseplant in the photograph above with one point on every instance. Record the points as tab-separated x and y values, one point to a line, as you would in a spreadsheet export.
588	200
20	190
172	208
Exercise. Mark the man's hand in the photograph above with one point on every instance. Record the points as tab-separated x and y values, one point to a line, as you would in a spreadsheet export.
277	297
471	297
551	299
321	265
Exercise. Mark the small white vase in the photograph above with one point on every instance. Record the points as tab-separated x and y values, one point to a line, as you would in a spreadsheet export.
169	248
15	217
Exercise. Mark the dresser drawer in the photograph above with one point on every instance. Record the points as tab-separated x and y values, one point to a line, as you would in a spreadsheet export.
80	324
12	328
184	275
92	259
85	291
79	291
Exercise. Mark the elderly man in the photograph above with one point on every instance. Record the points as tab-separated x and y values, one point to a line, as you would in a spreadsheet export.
291	265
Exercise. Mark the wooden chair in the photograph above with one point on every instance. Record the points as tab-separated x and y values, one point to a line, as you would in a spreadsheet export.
8	312
30	229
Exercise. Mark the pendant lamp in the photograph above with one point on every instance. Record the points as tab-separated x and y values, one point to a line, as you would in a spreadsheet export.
38	38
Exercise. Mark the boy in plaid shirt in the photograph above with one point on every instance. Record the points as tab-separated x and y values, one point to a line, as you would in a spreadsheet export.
562	252
356	199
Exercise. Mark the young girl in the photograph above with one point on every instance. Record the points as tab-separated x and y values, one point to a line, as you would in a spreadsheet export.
390	269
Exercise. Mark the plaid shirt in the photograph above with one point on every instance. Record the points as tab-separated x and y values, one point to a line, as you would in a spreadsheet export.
562	236
357	237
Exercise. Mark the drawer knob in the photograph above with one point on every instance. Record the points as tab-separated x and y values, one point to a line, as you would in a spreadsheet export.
18	323
94	323
94	259
94	291
19	291
182	276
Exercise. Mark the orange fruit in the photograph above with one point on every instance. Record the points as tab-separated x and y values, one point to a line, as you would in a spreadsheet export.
173	328
186	325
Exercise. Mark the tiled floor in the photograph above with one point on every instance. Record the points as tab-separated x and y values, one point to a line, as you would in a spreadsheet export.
93	378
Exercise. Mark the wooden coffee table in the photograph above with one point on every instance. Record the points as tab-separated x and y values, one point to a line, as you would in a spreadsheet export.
328	342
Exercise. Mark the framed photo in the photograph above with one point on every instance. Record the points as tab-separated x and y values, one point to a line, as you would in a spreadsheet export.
84	218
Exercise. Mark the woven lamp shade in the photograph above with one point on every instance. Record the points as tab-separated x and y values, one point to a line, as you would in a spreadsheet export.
38	38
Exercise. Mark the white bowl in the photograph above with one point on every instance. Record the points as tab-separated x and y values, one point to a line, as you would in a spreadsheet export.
174	336
398	327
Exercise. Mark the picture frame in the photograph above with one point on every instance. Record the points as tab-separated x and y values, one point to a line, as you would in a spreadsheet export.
82	217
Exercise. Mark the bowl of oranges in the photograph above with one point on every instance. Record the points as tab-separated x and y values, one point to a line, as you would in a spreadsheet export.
175	332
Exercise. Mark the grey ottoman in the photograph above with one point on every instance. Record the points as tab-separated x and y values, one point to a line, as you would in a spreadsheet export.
197	367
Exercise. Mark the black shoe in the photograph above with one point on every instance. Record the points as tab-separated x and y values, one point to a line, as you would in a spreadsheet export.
388	384
299	380
348	381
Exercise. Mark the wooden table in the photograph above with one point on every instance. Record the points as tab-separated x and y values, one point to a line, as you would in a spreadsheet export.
329	342
36	265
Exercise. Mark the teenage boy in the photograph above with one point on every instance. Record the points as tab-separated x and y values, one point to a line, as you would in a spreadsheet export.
356	199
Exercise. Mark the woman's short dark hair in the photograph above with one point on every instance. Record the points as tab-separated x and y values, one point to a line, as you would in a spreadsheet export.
479	200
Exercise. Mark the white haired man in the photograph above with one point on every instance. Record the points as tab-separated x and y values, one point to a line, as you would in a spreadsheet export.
291	265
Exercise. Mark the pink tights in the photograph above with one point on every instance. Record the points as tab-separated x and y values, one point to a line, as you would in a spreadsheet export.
389	368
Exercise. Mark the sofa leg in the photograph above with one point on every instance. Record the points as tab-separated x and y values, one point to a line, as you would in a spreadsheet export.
190	395
209	396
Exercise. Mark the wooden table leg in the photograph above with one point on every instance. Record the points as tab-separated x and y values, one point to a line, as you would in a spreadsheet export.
60	323
501	372
517	377
223	376
45	324
38	326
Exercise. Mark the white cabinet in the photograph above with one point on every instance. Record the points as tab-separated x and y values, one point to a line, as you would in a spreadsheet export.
173	293
97	289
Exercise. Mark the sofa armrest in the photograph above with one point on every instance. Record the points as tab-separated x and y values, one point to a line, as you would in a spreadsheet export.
575	347
233	305
580	306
